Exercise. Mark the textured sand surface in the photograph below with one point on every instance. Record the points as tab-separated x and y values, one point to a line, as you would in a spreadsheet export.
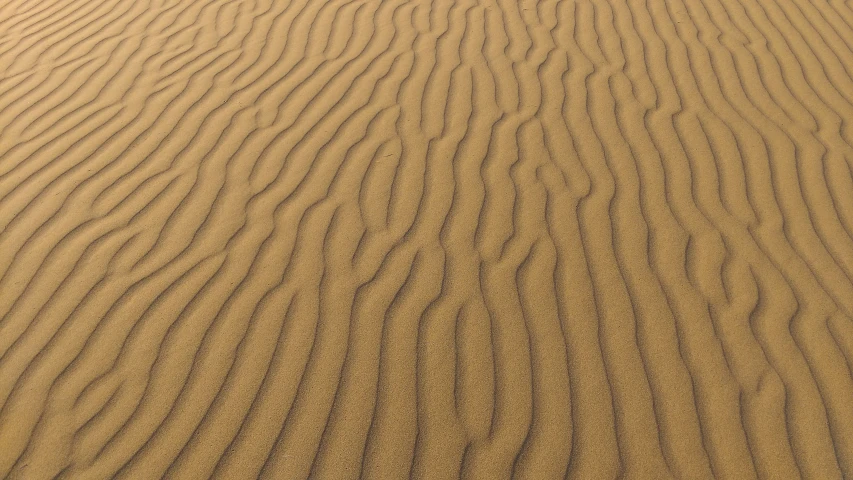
426	238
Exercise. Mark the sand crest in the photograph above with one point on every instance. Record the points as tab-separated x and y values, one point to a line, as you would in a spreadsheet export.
426	238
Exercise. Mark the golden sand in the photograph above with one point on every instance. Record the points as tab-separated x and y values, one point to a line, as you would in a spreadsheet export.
426	238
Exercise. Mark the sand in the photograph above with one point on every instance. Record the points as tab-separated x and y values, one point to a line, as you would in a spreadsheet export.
426	238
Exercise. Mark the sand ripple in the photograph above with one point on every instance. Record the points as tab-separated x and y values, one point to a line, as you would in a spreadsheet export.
426	238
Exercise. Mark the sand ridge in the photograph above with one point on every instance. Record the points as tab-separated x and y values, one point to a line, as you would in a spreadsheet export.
426	238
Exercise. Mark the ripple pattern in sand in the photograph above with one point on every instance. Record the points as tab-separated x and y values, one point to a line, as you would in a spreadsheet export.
426	238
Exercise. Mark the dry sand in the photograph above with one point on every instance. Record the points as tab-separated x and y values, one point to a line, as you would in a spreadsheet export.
426	238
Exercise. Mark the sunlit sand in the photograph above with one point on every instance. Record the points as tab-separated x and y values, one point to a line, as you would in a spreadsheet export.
426	239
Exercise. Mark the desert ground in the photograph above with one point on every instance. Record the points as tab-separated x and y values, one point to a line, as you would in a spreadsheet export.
433	239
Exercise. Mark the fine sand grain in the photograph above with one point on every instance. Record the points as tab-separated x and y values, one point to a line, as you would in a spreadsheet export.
426	238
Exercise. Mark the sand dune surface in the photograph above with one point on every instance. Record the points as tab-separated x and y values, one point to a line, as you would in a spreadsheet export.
534	239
